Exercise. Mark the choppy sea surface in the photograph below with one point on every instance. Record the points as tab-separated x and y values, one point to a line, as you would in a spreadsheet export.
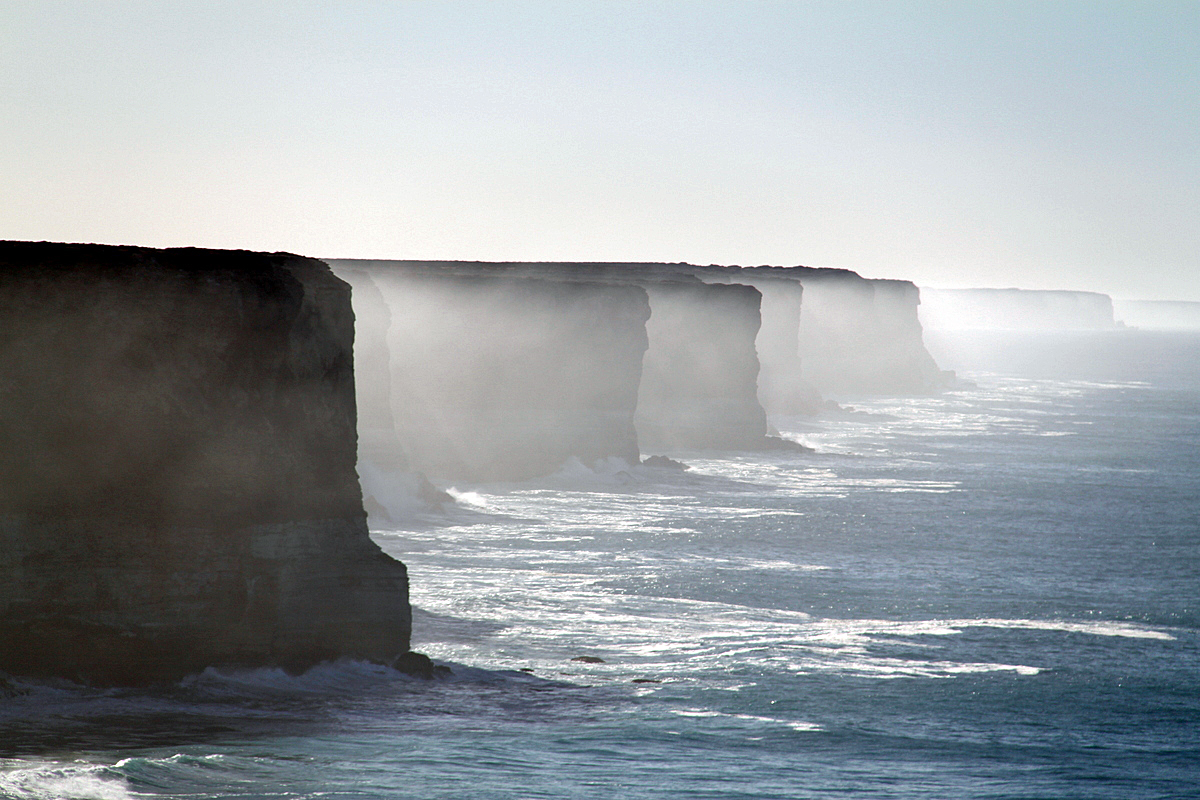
988	593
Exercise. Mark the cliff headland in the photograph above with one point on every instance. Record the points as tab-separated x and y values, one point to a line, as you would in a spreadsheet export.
177	467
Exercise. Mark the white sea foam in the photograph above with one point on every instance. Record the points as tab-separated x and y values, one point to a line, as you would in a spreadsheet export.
22	780
554	615
1126	629
705	713
330	677
795	725
467	498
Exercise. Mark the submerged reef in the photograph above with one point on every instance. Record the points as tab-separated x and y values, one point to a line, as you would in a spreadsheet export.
177	467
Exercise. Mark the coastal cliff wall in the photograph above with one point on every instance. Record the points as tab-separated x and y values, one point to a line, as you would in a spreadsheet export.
781	385
861	336
829	330
498	376
777	337
782	388
902	361
1158	314
694	389
177	452
701	367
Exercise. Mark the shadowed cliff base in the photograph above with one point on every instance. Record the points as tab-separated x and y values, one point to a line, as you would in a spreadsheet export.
177	452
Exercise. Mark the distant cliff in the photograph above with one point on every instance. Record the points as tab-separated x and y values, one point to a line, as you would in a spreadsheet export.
1015	309
177	452
1158	314
497	376
476	394
828	330
553	362
861	336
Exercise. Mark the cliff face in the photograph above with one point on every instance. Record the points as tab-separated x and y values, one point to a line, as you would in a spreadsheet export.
781	385
830	330
177	450
699	377
782	388
373	385
756	338
497	376
903	362
863	336
479	392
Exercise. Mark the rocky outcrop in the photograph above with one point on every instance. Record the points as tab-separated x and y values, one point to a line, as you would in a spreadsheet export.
177	452
1015	309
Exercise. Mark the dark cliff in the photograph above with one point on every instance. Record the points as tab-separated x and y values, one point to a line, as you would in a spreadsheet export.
177	453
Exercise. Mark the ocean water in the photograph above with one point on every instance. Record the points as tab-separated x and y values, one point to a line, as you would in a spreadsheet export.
988	593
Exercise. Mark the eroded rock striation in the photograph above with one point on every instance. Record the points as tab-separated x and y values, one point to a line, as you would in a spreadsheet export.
177	467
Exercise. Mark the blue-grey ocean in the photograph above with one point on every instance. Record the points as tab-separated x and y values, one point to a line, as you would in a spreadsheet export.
988	593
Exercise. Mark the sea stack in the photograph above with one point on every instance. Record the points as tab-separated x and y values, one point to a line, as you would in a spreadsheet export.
177	467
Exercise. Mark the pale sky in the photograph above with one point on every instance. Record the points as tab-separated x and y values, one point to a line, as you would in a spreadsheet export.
1039	145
